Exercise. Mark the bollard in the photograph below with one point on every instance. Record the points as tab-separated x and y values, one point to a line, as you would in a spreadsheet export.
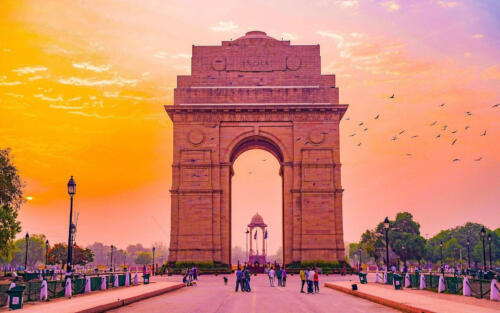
441	284
466	291
407	280
87	284
44	296
422	281
103	283
67	288
494	290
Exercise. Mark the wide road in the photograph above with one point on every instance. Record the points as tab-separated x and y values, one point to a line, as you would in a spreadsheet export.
212	296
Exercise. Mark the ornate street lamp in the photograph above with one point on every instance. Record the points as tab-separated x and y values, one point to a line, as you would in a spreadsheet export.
441	247
483	234
386	227
154	261
112	269
360	262
489	249
46	252
468	251
71	192
27	237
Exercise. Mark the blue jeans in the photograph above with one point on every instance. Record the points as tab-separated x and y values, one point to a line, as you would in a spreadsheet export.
238	283
248	285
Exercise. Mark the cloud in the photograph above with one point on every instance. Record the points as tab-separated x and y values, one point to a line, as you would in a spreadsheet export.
45	98
288	36
160	54
225	27
14	95
92	115
33	78
491	73
181	56
4	83
66	107
477	36
29	70
338	38
467	54
78	81
347	3
390	5
447	4
90	67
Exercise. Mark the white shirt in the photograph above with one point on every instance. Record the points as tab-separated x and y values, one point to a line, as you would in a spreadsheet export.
310	276
271	273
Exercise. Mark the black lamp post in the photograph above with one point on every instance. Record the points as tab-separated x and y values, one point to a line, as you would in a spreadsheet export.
154	249
26	252
489	249
441	248
46	252
359	263
404	255
386	227
112	247
468	251
483	234
71	192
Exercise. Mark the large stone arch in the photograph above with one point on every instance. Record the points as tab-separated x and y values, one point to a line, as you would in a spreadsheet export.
277	100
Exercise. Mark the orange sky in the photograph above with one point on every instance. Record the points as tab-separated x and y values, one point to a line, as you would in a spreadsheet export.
83	84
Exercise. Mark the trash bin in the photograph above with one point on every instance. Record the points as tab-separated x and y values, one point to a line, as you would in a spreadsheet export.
398	281
16	297
146	279
362	278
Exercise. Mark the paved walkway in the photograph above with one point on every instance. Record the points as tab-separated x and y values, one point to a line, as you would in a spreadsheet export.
96	298
427	300
211	295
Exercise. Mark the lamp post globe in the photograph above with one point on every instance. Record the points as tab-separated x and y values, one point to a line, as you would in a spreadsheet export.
386	227
71	192
483	234
489	249
27	238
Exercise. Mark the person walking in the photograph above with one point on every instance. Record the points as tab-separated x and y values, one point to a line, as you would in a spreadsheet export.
248	274
239	276
302	274
271	277
310	280
279	274
316	281
284	277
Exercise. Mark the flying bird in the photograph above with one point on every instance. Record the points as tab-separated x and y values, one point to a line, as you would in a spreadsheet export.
365	129
394	138
409	154
456	160
360	124
438	136
454	132
212	138
298	139
468	113
376	117
434	123
391	97
348	118
484	133
352	135
359	144
401	132
445	126
467	127
264	160
414	136
495	105
479	159
454	141
441	105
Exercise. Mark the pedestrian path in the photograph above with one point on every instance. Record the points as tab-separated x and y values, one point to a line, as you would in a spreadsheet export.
424	301
98	301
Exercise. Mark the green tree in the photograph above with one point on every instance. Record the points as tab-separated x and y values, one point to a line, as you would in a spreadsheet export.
143	258
36	251
59	255
11	198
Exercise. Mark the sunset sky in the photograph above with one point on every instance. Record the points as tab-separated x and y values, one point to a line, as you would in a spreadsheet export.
83	84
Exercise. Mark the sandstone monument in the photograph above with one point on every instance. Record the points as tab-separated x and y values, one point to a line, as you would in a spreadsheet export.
256	92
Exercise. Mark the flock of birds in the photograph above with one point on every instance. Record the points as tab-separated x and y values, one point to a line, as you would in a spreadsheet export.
363	128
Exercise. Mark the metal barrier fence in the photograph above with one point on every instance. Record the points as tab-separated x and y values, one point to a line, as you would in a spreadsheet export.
56	288
480	288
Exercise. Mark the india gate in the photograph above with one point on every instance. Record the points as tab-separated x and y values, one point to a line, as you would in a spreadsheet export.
256	92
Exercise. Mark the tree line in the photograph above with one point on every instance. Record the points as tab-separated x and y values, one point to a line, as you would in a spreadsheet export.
407	243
